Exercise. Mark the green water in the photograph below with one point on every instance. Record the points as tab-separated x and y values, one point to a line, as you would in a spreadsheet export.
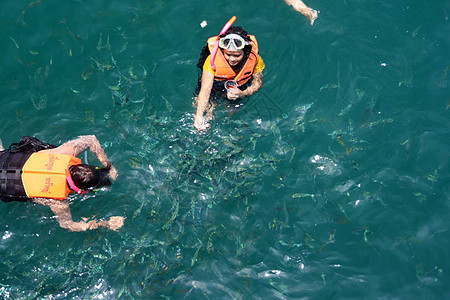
332	182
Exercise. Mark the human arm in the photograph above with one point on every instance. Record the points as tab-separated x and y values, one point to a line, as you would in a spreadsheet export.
62	213
76	146
257	83
308	12
203	99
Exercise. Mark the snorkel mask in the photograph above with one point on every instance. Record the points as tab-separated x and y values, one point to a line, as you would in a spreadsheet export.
233	42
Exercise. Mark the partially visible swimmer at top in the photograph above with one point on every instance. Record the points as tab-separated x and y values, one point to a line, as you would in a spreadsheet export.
301	7
237	59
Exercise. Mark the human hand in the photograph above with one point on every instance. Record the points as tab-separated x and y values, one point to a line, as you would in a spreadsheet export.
313	16
115	223
200	123
234	93
113	173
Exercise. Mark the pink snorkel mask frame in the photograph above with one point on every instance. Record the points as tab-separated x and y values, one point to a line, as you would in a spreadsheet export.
74	187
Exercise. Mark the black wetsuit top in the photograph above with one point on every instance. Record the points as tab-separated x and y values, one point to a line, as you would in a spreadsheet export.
12	161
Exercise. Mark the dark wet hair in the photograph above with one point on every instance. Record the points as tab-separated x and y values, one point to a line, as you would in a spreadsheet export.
90	177
237	30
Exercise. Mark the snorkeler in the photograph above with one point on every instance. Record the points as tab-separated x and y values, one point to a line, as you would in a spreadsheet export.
235	59
32	170
308	12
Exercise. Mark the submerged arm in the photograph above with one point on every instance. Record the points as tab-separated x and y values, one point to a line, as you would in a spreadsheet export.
61	210
203	99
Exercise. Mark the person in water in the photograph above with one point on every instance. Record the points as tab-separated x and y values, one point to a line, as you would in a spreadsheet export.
238	60
308	12
32	170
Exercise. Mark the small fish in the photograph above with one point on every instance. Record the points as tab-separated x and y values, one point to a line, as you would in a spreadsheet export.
124	47
131	73
108	45
99	44
70	33
268	158
330	86
347	149
114	87
163	266
114	62
371	124
22	62
231	145
89	116
302	195
74	91
15	43
420	197
209	244
69	51
144	75
293	155
276	131
433	177
134	162
168	104
174	215
20	17
86	74
101	66
179	256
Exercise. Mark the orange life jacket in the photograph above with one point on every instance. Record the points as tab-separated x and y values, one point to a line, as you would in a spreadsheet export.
44	175
224	70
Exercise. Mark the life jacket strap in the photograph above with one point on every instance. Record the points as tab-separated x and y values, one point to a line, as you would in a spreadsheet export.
11	174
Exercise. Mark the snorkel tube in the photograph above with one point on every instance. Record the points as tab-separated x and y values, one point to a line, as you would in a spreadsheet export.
74	187
216	47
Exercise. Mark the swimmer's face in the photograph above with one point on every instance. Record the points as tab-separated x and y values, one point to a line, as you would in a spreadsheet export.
233	57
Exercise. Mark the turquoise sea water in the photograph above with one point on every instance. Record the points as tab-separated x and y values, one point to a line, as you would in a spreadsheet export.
332	182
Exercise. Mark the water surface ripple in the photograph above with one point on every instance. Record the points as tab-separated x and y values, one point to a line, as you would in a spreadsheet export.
332	182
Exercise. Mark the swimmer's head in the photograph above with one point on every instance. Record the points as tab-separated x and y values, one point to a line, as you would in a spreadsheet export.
87	177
